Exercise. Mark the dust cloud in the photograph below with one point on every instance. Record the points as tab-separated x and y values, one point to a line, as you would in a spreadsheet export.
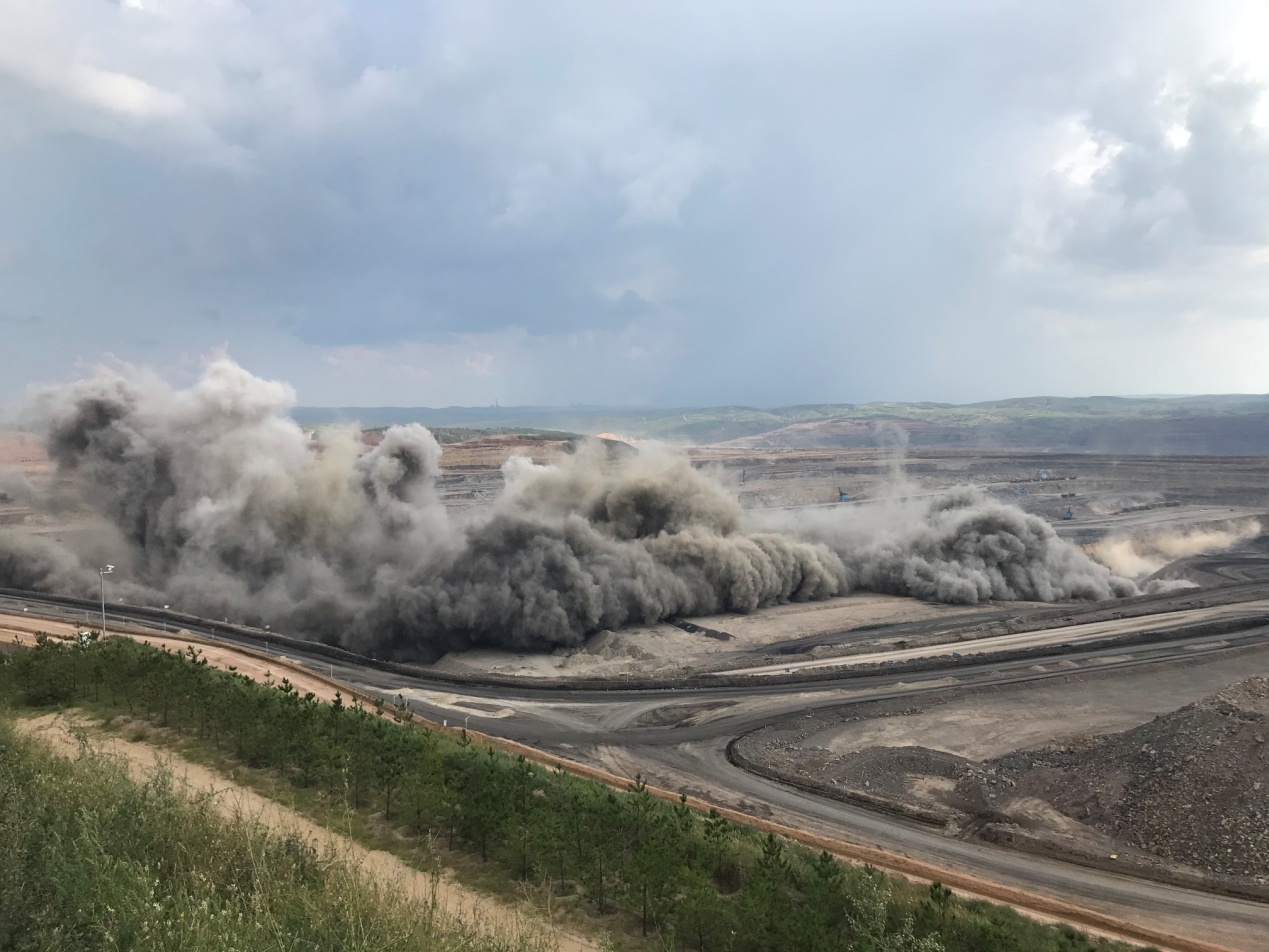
219	506
1144	554
959	546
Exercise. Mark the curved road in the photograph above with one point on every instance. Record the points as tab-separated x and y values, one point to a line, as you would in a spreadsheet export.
678	737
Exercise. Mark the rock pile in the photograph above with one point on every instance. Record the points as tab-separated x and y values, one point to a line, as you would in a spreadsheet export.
1191	786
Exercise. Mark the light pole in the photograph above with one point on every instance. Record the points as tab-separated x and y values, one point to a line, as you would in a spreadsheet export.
103	572
165	608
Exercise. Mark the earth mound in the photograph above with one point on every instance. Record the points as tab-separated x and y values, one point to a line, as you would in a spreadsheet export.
1191	786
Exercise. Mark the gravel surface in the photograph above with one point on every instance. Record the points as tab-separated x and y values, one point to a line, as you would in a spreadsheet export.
1191	786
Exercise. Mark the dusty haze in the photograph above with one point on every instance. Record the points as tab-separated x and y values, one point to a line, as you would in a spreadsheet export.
219	506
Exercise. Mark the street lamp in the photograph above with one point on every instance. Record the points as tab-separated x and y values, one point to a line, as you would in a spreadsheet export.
165	608
103	572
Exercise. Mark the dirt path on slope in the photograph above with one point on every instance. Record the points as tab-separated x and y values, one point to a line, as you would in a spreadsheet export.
233	800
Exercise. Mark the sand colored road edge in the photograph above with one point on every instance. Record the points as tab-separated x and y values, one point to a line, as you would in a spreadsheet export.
56	732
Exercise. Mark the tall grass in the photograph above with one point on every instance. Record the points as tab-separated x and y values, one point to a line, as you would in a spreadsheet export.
90	859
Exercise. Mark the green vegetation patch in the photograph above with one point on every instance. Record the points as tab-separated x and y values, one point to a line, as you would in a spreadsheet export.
90	859
642	866
460	434
1021	421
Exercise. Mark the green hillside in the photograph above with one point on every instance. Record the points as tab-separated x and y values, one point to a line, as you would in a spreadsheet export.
1212	424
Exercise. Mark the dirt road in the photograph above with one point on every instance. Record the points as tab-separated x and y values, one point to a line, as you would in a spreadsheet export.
1069	634
234	800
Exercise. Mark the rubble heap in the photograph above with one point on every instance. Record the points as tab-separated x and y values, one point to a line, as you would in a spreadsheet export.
1191	786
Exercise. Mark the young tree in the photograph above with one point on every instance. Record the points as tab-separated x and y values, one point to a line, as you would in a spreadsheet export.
603	822
822	911
358	754
554	826
651	873
520	784
941	898
391	748
699	915
718	838
423	784
868	920
767	915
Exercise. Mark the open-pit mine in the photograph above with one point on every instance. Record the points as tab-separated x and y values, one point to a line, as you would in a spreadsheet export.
1042	676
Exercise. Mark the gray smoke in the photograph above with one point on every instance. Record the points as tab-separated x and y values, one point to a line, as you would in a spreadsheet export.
961	547
225	510
581	546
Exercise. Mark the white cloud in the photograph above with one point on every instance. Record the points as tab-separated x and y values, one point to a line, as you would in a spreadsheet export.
480	365
123	94
1176	169
1178	136
1087	156
658	181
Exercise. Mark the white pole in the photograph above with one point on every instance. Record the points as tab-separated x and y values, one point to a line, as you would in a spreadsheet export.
103	572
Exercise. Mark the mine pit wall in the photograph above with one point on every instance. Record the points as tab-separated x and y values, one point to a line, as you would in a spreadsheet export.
908	811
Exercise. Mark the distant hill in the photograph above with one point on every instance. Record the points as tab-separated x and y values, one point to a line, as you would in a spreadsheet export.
1221	424
461	434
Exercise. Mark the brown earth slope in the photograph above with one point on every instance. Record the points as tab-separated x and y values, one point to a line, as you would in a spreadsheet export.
1191	786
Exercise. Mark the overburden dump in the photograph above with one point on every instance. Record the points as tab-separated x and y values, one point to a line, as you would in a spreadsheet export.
217	504
1191	785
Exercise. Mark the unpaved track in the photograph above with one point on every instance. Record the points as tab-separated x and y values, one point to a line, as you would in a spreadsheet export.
1135	910
234	800
1044	637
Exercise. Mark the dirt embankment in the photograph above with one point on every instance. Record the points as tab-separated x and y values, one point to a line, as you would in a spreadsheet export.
62	734
1107	775
1191	786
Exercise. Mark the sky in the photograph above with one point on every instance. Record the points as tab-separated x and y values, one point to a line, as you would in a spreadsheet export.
424	203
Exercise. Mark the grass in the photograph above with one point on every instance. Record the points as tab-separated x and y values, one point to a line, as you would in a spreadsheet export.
91	859
367	828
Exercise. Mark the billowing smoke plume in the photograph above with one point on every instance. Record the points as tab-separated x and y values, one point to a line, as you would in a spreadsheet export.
1143	553
222	508
961	546
581	546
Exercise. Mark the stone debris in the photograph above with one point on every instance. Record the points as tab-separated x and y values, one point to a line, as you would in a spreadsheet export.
1191	786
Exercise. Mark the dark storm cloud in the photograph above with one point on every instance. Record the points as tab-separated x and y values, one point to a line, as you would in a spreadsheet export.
828	200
